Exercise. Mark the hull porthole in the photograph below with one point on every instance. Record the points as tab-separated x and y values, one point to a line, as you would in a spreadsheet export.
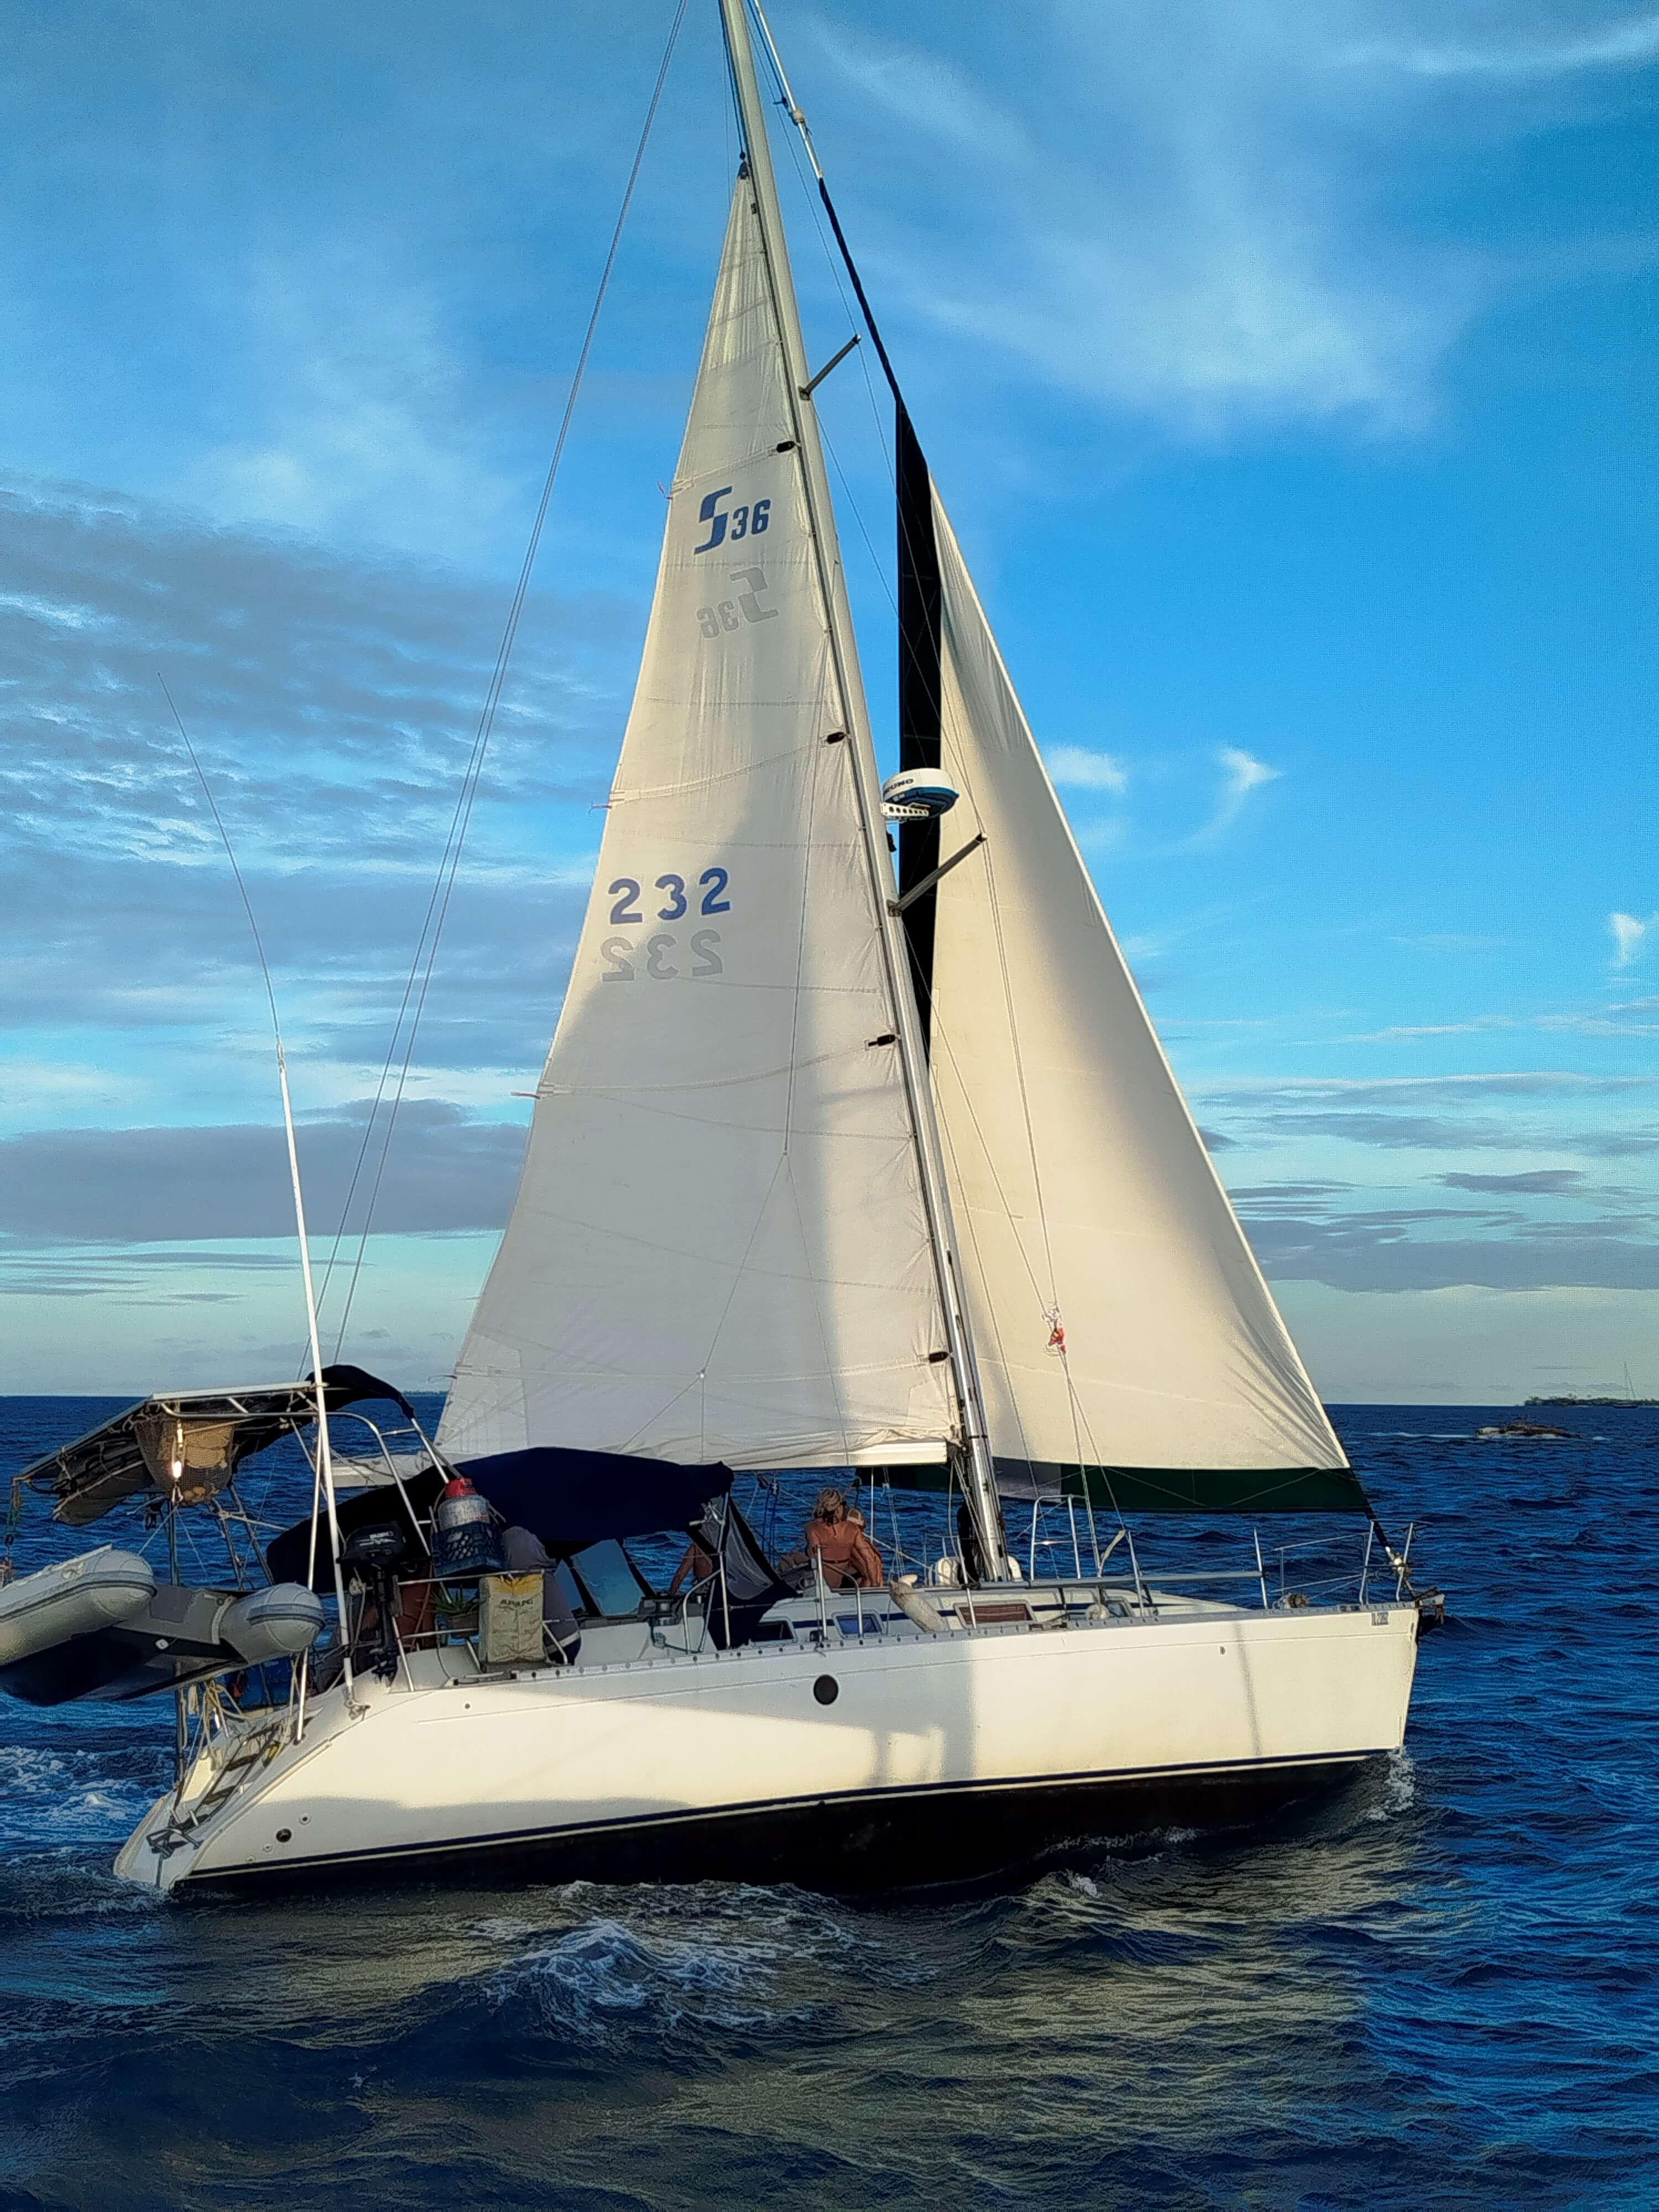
826	1689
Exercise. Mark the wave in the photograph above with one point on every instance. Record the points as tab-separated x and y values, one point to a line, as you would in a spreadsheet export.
1398	1794
670	1965
65	1794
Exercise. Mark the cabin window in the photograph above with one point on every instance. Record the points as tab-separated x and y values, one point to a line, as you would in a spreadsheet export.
850	1624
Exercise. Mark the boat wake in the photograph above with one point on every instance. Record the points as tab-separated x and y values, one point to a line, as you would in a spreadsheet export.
1398	1792
608	1983
666	1967
69	1796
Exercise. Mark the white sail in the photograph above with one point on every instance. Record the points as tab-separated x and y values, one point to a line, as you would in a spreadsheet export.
719	1248
1084	1198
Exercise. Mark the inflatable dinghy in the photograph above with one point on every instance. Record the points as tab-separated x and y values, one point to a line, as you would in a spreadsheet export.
101	1626
74	1598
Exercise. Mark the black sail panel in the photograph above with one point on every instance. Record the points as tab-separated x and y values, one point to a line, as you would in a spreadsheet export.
919	696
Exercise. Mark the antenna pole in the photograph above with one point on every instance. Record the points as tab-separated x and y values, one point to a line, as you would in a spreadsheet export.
978	1469
324	1455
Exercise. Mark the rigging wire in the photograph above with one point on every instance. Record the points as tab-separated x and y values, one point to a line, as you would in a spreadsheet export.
858	517
840	258
230	854
815	202
973	1238
802	136
425	949
1082	1429
835	262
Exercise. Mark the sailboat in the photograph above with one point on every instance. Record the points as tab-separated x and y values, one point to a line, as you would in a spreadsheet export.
835	1165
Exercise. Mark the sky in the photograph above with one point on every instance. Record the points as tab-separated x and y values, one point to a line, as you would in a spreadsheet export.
1287	371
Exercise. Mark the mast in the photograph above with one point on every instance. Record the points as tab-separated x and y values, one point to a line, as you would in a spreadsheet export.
978	1469
920	679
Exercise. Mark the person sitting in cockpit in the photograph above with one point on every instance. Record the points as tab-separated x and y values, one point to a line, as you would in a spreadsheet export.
525	1554
837	1538
694	1569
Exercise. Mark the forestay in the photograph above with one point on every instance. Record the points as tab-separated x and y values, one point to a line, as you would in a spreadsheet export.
719	1248
1121	1320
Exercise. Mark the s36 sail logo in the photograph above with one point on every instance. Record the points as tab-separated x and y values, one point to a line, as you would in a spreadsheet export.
724	613
727	529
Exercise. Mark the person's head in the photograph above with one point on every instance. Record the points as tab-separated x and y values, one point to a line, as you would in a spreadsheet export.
831	1506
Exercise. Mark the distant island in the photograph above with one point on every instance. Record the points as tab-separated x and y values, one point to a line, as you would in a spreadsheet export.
1592	1401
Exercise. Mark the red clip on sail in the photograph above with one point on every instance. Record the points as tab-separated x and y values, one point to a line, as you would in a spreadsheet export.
1057	1336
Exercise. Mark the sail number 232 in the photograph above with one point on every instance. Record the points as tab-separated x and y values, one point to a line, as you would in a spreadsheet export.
626	895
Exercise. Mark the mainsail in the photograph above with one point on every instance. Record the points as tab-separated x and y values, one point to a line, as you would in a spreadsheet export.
718	1248
1121	1320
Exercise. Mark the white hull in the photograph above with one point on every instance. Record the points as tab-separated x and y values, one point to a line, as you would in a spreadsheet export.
939	1755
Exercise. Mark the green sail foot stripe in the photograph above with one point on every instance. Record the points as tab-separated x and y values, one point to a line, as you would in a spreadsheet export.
1167	1490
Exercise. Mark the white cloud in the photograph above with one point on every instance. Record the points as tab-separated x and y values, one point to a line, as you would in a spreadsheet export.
1520	1083
1245	772
1451	941
1433	1029
1077	766
1574	1022
1621	44
1182	209
339	693
1241	775
920	91
1600	1025
357	400
1628	934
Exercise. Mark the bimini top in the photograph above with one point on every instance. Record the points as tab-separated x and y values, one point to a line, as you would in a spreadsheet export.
568	1498
187	1444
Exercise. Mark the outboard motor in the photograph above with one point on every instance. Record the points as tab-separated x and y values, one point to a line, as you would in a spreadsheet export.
467	1538
375	1555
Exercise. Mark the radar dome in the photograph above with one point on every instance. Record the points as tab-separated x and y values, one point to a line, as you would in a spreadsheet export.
919	792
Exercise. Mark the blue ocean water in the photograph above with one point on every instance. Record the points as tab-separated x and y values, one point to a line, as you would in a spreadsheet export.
1438	1990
